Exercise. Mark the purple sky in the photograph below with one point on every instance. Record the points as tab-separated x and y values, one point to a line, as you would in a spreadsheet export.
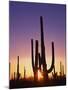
25	24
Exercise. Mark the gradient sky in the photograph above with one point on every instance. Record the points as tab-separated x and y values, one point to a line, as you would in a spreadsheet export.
25	24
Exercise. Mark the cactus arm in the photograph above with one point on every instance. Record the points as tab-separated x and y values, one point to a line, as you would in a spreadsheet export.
36	54
32	54
52	65
39	61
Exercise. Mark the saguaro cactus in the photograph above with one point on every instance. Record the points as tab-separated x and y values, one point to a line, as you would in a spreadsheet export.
18	74
35	64
40	59
43	57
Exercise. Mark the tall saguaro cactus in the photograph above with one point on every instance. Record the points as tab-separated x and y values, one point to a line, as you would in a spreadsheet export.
40	58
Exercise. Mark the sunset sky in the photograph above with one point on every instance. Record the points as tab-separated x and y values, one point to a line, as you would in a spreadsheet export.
24	24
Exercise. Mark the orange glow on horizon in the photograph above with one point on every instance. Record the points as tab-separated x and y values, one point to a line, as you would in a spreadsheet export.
29	71
40	76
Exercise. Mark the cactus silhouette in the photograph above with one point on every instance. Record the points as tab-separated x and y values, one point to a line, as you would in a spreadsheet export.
18	74
24	73
40	59
35	65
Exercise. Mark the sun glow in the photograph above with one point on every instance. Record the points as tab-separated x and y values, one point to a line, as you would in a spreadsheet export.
28	67
40	76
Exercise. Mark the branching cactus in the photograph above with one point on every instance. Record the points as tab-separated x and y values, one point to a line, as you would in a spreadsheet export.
40	59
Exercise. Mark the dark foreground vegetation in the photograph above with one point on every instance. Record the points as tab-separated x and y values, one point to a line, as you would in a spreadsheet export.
26	83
